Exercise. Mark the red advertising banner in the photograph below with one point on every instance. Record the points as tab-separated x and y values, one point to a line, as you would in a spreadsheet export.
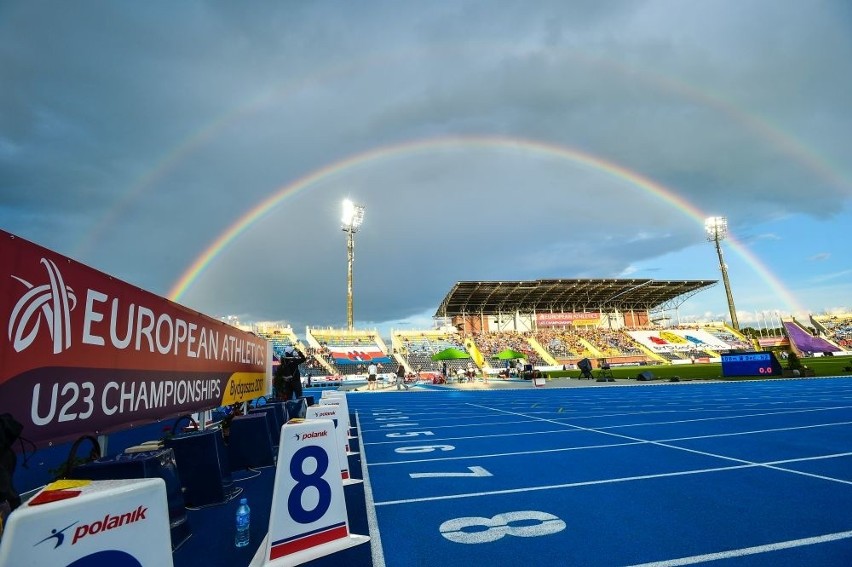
562	319
82	352
358	355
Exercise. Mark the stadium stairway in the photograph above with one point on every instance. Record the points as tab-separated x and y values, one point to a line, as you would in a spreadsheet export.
596	353
653	355
546	356
325	363
755	343
816	324
803	342
474	352
399	359
377	337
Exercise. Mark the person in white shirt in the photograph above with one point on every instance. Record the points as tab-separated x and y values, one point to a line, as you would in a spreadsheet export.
371	377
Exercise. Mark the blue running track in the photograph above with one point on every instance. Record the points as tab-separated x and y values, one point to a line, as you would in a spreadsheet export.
749	473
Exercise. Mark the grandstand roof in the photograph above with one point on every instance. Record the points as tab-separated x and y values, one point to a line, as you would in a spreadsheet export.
581	295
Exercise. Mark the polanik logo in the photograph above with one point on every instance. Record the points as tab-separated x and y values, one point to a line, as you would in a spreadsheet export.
58	535
314	435
52	302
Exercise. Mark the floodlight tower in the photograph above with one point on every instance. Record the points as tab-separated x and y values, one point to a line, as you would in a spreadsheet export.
353	216
716	229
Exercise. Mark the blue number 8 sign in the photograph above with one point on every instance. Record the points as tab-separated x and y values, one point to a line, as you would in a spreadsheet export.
305	480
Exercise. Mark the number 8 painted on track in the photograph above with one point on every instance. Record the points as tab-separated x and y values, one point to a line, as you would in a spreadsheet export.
498	526
305	481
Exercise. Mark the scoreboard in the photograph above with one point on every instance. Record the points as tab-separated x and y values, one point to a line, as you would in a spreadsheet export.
750	364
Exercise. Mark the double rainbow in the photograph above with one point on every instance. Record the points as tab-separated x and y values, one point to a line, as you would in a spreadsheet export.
423	146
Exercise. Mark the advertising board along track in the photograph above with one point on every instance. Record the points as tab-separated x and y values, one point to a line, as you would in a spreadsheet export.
84	352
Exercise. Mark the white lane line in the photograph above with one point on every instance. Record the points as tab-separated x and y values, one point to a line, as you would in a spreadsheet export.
565	413
530	416
564	485
688	450
668	440
748	550
814	458
436	438
753	432
376	549
512	454
584	447
416	424
714	418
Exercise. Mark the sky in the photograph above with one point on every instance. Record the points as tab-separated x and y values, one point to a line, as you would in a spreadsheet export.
201	150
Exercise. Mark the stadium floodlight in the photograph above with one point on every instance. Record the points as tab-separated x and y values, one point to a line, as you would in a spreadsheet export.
353	216
716	229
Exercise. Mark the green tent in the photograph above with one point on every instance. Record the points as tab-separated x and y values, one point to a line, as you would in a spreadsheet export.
451	353
509	354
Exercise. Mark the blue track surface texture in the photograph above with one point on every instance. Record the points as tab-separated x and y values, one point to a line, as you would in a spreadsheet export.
750	473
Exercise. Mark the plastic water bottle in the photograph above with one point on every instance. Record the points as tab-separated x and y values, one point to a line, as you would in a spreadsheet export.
243	522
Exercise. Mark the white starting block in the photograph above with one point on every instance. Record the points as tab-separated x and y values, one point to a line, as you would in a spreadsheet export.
308	518
121	523
335	413
338	398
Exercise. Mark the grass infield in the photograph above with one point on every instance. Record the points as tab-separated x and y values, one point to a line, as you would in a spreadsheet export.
822	366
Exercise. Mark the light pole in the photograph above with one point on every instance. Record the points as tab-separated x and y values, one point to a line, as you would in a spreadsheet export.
353	216
716	229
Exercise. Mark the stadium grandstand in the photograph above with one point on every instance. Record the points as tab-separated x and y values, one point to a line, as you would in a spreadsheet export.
346	352
332	354
835	328
283	338
550	325
556	323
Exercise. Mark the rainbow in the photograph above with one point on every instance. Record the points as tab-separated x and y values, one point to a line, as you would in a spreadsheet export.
773	134
418	146
191	144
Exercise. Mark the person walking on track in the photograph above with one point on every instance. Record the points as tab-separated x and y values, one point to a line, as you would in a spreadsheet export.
400	378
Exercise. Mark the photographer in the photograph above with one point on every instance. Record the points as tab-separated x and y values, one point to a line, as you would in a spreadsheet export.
287	380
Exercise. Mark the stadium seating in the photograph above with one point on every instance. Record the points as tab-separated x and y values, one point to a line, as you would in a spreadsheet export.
418	349
283	339
494	342
836	328
726	336
349	352
342	352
